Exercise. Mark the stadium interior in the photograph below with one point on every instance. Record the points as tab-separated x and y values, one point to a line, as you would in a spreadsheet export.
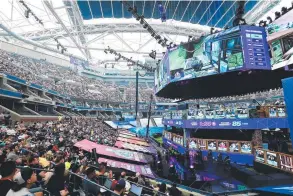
146	98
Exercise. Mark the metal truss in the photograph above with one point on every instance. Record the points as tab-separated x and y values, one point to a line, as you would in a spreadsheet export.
77	21
261	8
114	27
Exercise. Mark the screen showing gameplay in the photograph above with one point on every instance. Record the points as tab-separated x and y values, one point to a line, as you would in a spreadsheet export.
212	145
272	159
193	144
234	147
222	146
245	147
260	155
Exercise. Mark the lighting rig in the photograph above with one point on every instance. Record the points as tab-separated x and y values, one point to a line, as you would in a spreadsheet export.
130	62
28	11
160	39
278	14
63	49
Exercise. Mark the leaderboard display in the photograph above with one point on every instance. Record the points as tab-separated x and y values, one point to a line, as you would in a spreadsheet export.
274	159
244	147
255	47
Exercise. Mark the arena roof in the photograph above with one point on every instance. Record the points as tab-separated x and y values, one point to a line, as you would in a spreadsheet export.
87	27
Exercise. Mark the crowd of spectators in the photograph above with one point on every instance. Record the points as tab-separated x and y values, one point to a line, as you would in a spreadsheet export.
40	159
66	80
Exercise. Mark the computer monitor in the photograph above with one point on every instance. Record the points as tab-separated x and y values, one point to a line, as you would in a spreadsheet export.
135	190
108	183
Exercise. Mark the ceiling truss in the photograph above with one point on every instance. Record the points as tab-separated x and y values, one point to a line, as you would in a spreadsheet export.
118	28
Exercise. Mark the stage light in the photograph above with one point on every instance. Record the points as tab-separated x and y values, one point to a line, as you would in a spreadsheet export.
189	38
141	21
212	30
153	54
284	10
269	19
106	51
153	34
277	15
158	37
129	9
26	13
145	26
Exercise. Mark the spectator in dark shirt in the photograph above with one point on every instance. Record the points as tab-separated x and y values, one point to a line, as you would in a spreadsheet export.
88	185
174	191
7	171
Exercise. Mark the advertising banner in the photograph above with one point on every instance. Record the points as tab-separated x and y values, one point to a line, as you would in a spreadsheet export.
128	146
141	143
142	169
251	123
110	151
131	137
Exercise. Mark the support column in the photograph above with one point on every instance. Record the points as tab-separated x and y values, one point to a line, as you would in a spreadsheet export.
186	136
288	97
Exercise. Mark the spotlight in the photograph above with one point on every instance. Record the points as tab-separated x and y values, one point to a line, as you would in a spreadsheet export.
189	38
130	9
269	19
153	54
158	37
153	34
212	30
141	21
277	15
26	13
145	26
105	51
160	41
284	10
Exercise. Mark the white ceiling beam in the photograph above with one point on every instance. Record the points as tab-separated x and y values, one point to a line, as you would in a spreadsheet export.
102	49
143	45
49	6
117	27
101	36
124	42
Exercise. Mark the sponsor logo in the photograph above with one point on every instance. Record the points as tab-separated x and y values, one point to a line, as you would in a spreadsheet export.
193	123
236	123
224	124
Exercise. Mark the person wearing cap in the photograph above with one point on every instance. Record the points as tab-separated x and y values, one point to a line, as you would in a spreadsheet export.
24	180
120	187
7	171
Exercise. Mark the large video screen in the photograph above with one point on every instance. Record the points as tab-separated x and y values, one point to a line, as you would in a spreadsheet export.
238	48
281	43
206	56
161	73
